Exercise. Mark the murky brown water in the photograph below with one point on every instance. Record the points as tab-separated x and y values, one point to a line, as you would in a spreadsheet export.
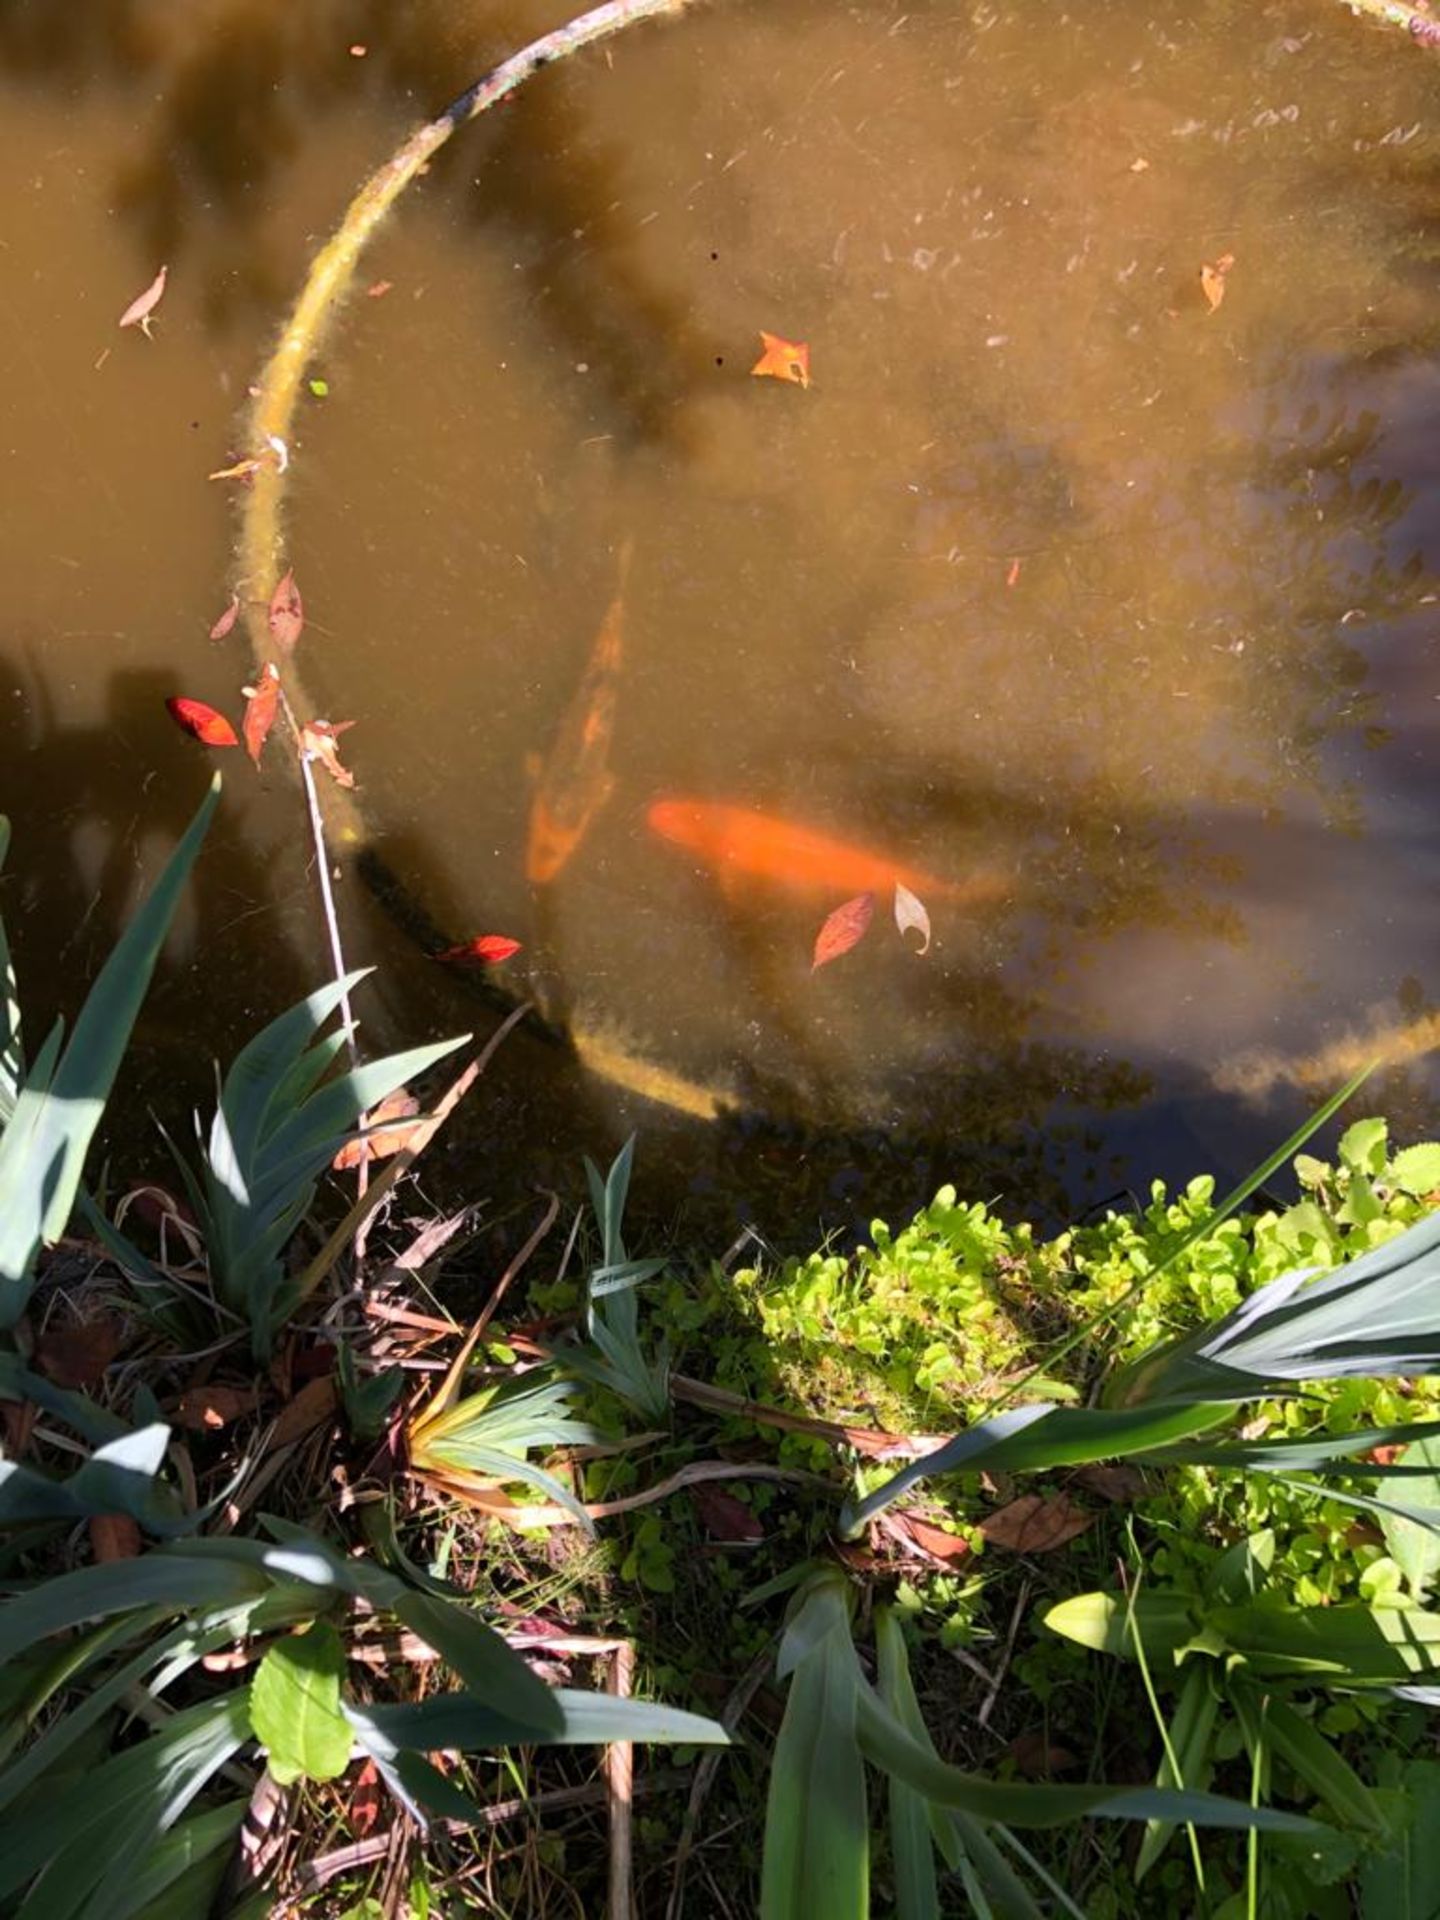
1053	575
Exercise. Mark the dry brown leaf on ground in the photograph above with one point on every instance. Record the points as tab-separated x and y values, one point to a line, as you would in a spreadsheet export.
1118	1481
1036	1523
933	1542
113	1536
724	1517
310	1408
76	1353
206	1409
1038	1758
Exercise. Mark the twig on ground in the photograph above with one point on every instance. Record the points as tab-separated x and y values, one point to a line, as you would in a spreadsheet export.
987	1706
695	1474
873	1442
707	1767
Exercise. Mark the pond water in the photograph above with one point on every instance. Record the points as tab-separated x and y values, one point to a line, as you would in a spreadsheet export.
1106	617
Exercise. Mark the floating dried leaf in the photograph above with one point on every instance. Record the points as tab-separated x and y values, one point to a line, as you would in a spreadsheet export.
783	359
286	618
843	929
261	705
242	470
228	618
910	913
1212	280
138	313
379	289
318	740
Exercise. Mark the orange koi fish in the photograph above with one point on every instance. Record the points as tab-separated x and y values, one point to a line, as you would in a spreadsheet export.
733	841
575	780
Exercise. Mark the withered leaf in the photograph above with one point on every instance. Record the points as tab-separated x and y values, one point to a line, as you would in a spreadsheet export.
1038	1758
1036	1523
228	618
910	913
138	313
934	1541
76	1354
309	1408
844	928
366	1802
113	1536
206	1409
485	950
723	1516
286	618
1118	1481
318	740
783	359
261	706
379	1145
1212	280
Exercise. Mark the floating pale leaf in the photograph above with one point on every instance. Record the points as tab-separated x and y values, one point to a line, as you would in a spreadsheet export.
208	726
261	705
242	470
910	912
844	928
485	950
318	740
227	619
286	618
1212	280
138	313
783	359
379	289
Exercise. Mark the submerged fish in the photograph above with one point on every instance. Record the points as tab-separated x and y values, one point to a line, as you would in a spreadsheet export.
575	780
735	841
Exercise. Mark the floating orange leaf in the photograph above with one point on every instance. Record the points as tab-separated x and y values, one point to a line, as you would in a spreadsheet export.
783	359
286	618
1013	573
485	950
844	928
1212	280
228	618
208	726
1036	1523
910	914
379	289
318	740
138	313
242	470
261	704
384	1140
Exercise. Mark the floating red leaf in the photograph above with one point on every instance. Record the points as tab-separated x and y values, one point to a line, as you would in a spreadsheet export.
485	950
208	726
845	927
318	740
261	704
227	619
138	313
286	618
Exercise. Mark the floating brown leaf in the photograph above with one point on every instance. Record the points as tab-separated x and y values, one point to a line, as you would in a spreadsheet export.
723	1516
910	913
113	1536
286	618
138	313
783	359
1036	1523
399	1105
76	1354
261	705
228	618
318	740
206	1409
1212	280
845	927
